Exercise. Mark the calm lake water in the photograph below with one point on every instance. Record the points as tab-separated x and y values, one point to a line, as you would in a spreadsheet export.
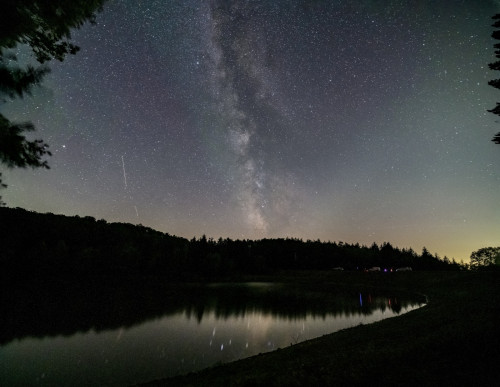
213	324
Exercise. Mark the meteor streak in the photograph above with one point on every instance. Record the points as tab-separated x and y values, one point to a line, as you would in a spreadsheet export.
124	173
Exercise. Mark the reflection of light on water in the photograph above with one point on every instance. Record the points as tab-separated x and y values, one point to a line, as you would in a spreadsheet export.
120	334
169	345
380	314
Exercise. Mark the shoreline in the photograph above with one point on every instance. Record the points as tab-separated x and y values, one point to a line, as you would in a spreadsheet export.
451	340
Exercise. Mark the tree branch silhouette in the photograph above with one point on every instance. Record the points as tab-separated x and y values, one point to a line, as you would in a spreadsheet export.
496	67
45	27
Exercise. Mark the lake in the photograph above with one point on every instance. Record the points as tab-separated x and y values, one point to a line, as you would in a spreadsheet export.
199	326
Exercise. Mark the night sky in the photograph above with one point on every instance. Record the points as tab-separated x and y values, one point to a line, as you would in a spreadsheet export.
355	121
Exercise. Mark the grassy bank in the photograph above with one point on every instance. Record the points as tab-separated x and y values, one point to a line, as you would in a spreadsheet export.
453	340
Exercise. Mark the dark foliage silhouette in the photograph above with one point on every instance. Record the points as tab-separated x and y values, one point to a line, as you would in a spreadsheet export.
34	244
485	258
45	27
496	66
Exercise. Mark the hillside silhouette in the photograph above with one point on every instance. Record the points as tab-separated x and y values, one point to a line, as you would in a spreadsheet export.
34	244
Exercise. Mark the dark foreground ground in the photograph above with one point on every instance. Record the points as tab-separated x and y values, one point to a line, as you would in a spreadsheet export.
454	340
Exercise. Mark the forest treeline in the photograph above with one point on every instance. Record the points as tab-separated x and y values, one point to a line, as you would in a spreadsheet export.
48	244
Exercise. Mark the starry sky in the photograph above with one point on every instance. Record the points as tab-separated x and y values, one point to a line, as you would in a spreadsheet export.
356	121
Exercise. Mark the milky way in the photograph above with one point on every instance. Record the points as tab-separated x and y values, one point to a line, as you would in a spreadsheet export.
335	120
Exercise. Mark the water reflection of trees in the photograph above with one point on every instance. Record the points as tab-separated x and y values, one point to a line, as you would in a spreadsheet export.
50	309
292	303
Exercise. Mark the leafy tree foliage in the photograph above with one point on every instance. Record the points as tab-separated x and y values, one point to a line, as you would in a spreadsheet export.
33	244
496	66
45	26
485	257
